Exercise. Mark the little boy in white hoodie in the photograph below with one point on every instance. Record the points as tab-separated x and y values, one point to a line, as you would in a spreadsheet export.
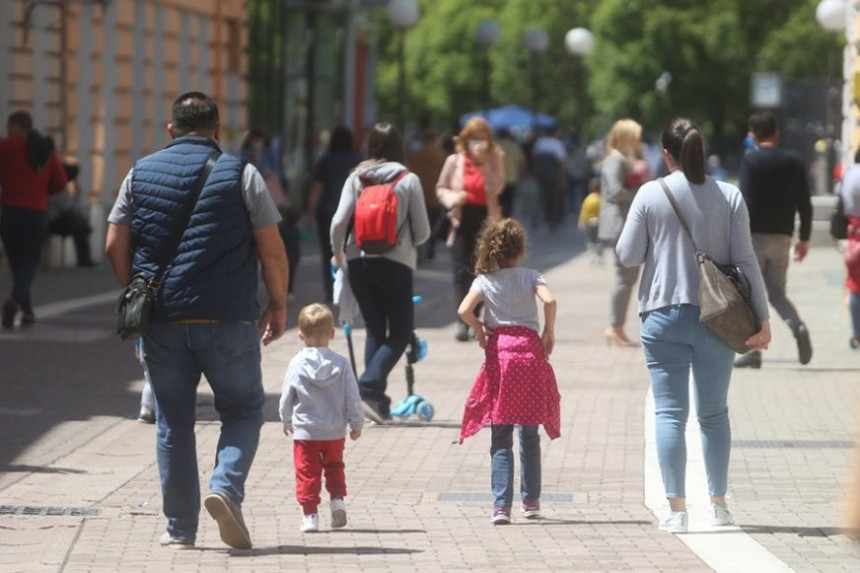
319	399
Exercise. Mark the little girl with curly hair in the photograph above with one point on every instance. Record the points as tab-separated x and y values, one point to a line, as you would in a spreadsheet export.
516	384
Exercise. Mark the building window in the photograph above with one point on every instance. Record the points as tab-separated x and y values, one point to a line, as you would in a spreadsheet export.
234	46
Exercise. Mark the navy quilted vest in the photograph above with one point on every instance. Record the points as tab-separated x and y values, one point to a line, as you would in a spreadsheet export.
214	272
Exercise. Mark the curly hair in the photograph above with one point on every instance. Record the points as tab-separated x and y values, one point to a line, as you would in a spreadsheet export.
499	244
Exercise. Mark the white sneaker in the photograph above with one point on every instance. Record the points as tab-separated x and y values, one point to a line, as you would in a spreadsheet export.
310	523
676	522
720	515
338	513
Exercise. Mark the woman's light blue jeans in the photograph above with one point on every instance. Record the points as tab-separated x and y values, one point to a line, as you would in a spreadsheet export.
502	464
674	343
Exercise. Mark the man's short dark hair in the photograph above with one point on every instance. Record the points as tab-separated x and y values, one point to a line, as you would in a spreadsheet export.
763	125
194	111
22	119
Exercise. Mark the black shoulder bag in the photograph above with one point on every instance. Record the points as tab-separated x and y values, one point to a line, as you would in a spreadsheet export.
134	308
724	293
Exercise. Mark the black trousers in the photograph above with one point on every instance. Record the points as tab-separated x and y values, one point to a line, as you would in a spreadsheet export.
463	250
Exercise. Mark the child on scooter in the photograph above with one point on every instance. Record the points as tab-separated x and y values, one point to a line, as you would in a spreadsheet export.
516	384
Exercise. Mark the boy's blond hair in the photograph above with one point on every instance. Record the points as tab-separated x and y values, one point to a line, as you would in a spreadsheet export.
316	320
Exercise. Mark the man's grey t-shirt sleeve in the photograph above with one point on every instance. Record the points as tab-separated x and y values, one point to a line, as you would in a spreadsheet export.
258	201
120	214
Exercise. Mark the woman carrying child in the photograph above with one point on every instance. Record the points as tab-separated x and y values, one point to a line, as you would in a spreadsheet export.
516	384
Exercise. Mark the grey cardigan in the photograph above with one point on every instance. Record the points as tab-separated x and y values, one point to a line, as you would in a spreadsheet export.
615	196
653	237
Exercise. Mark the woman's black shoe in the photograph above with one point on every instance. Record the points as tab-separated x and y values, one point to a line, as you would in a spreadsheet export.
10	309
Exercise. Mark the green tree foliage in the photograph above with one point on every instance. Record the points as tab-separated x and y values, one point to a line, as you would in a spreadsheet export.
709	48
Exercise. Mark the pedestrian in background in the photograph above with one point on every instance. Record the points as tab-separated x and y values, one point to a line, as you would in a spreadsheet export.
426	162
329	175
775	186
850	193
259	151
382	284
589	218
516	384
30	171
319	400
469	188
673	339
205	319
146	415
515	167
618	186
66	220
549	164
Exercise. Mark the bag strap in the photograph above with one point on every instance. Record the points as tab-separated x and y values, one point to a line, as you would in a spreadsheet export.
678	213
202	177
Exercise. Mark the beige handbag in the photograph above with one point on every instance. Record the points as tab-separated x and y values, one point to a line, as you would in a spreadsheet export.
724	294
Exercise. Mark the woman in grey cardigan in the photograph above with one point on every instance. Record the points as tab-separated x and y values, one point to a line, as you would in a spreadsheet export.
673	340
623	144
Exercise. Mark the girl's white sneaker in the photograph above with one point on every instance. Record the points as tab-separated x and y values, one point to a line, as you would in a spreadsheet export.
676	522
720	515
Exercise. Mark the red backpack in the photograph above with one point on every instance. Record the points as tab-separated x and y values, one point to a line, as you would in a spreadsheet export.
376	217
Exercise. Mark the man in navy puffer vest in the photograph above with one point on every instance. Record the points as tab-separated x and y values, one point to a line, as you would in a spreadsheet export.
205	319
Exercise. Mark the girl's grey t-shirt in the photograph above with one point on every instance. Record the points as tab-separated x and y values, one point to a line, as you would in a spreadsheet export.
509	297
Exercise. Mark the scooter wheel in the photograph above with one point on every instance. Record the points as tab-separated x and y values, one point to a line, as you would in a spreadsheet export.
425	411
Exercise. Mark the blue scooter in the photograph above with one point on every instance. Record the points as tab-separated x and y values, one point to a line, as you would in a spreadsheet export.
413	404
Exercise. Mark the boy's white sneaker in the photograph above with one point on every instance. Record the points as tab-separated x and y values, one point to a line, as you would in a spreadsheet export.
310	523
720	515
338	513
676	522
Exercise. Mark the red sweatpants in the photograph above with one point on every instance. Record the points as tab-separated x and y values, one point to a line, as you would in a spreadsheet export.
312	458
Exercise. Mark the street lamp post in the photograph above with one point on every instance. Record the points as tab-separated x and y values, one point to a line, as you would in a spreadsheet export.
536	42
831	16
487	34
579	43
402	14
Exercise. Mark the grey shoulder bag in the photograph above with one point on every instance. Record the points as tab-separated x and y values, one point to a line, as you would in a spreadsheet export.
724	294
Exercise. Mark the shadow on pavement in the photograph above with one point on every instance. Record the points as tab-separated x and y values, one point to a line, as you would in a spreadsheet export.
311	550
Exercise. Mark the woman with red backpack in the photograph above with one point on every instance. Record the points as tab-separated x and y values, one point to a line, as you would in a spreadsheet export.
380	220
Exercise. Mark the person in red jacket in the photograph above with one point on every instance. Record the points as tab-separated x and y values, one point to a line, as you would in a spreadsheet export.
30	170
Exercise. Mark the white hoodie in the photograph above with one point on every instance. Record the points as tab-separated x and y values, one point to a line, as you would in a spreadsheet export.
320	396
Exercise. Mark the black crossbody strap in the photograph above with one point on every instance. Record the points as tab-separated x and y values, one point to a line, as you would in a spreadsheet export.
170	252
678	213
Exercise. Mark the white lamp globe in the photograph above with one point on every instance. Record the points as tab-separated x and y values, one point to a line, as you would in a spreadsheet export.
831	15
579	42
487	33
536	40
402	13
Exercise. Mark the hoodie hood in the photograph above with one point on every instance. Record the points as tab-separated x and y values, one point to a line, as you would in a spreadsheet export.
318	368
372	172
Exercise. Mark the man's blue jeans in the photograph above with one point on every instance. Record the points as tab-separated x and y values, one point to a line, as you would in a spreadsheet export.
674	343
502	464
228	354
383	290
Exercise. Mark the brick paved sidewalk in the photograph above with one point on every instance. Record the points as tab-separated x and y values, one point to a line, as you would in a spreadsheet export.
419	501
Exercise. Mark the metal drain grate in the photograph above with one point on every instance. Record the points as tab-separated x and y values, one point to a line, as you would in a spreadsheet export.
47	511
488	498
794	444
